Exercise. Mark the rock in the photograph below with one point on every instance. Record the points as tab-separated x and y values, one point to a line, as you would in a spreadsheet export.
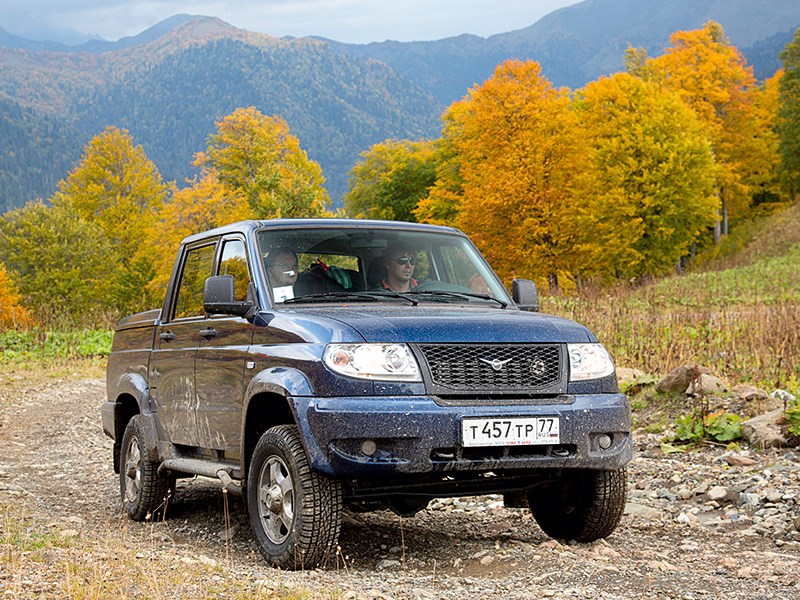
749	501
764	430
749	393
641	511
737	460
487	560
717	493
387	563
706	385
783	396
677	380
625	374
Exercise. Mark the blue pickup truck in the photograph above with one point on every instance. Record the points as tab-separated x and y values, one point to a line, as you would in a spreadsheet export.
317	365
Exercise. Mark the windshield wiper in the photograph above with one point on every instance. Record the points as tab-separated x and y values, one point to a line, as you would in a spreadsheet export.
372	296
461	295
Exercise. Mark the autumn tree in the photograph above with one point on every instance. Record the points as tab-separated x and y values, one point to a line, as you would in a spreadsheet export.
12	314
515	150
390	179
789	115
204	204
256	155
61	263
649	192
118	189
712	77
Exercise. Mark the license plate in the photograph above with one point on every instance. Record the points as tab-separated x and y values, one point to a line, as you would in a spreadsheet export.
514	431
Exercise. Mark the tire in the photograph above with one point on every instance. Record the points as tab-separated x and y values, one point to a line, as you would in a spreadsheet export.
296	513
583	505
144	493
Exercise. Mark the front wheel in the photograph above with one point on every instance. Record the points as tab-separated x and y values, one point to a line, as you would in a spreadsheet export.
295	513
581	505
144	493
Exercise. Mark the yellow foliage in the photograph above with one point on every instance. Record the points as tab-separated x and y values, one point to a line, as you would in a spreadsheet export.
515	151
257	155
203	205
12	314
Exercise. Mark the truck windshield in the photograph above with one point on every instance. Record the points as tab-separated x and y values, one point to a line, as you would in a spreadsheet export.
346	265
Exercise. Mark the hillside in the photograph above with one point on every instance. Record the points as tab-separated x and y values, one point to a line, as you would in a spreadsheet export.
170	91
169	84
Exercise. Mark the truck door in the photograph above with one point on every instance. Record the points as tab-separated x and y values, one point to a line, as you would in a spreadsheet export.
177	340
220	363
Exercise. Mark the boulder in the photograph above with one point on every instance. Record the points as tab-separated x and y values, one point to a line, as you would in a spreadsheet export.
678	380
764	431
706	385
749	393
625	374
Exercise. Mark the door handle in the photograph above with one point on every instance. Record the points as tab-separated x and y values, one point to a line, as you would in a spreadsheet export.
208	333
167	336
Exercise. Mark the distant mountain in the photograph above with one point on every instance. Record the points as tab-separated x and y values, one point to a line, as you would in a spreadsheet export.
579	43
169	84
169	92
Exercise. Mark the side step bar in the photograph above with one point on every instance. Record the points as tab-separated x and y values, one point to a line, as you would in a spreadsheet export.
206	468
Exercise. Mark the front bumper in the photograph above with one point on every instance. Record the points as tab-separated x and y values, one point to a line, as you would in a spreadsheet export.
415	434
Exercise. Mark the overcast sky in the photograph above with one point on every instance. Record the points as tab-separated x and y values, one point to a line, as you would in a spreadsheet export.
358	21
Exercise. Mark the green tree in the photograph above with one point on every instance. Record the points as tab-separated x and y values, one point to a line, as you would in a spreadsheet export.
390	179
789	114
649	192
256	155
61	262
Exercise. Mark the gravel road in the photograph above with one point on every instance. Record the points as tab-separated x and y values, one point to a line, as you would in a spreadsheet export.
708	524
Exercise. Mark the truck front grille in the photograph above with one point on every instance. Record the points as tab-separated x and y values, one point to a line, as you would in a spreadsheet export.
534	368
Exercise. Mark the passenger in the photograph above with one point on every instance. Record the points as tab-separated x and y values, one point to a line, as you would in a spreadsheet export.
399	259
281	264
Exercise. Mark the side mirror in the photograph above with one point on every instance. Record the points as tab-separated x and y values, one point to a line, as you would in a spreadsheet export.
218	297
525	296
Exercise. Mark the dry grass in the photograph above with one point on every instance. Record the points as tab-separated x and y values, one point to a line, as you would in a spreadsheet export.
47	560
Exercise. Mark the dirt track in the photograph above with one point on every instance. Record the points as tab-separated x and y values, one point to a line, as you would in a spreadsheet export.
55	470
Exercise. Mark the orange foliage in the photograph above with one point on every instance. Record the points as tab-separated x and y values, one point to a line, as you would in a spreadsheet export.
12	314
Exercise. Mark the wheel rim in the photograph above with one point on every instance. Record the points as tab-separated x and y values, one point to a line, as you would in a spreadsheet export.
133	470
276	499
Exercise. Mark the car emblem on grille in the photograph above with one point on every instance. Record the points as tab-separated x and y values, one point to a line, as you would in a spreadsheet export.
496	363
538	368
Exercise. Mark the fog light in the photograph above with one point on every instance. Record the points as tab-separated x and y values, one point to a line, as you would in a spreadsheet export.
604	441
368	447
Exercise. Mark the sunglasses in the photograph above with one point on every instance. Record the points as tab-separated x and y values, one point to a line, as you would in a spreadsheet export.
405	260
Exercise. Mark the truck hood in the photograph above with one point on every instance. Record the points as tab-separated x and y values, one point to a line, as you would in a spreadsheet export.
450	324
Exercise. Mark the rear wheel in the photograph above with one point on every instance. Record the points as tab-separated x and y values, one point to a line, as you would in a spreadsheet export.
296	513
144	493
582	505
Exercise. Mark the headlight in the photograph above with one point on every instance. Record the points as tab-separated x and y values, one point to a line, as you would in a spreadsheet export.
385	362
588	361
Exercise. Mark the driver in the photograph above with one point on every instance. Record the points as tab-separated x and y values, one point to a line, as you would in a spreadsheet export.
399	259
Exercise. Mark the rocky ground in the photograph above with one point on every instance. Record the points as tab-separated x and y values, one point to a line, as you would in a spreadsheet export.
706	524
